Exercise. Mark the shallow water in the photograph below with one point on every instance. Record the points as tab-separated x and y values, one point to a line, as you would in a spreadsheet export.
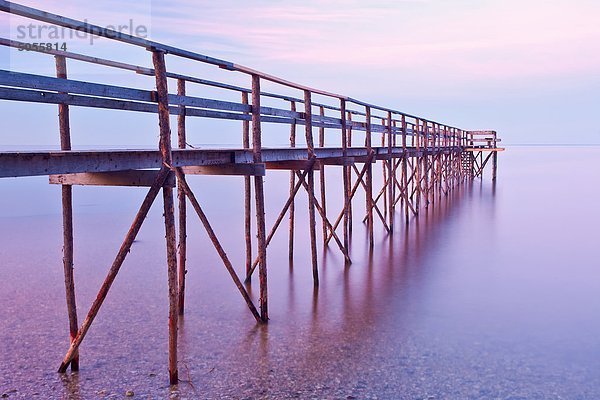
491	293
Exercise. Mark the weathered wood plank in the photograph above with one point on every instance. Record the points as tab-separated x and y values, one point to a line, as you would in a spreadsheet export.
39	163
140	178
227	169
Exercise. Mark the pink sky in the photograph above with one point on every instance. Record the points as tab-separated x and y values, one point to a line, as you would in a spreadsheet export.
510	65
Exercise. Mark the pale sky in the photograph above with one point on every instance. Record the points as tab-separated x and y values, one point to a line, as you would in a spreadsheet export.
529	69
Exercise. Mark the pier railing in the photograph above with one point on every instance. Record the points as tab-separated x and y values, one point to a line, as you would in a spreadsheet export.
421	159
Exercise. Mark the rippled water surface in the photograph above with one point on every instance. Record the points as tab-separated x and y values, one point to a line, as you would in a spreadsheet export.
494	292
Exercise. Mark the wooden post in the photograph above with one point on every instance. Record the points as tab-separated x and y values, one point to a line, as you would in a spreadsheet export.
349	172
426	161
67	213
404	168
311	185
345	177
369	188
417	140
322	176
434	162
292	185
260	199
390	175
182	204
494	159
158	59
385	177
247	195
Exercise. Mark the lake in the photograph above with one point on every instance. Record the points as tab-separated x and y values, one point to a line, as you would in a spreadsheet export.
493	293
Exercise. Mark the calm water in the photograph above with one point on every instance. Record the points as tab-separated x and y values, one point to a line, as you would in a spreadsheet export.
492	294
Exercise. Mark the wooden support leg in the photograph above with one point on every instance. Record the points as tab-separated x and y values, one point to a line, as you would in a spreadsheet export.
292	209
169	215
247	194
312	225
262	246
323	199
346	231
181	204
67	198
405	185
248	222
181	207
369	194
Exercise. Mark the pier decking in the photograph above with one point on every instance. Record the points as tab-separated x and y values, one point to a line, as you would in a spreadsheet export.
420	160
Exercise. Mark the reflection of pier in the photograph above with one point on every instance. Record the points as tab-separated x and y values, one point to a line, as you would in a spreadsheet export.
421	161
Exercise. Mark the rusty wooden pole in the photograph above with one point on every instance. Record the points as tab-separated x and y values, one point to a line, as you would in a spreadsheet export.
67	214
404	169
434	162
160	71
260	200
417	140
345	177
292	207
369	178
322	176
247	194
426	160
494	159
311	185
390	174
349	172
182	204
385	177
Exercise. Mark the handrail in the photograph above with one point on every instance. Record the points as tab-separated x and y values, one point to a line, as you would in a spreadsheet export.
33	13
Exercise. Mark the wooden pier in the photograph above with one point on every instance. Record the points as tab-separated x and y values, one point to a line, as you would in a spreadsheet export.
420	161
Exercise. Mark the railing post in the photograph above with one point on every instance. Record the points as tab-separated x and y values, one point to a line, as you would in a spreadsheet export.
405	168
345	177
292	208
247	195
182	202
418	163
311	184
158	59
349	172
260	200
67	214
426	160
368	145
